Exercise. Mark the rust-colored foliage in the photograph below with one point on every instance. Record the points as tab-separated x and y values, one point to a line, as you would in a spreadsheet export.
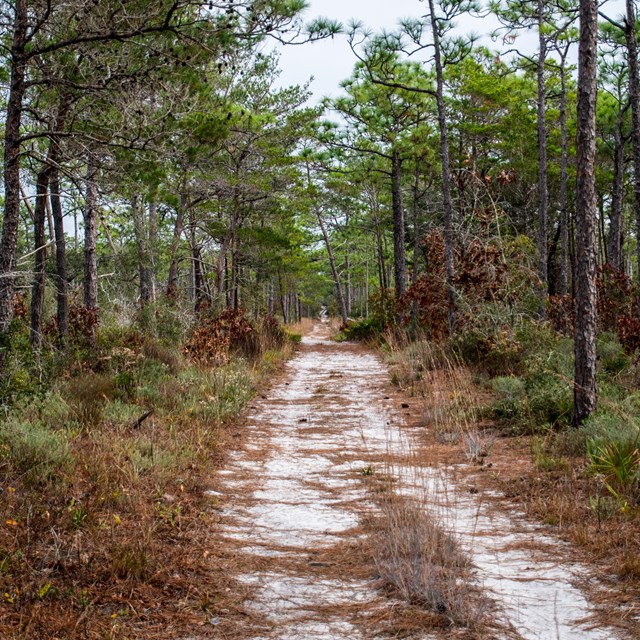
430	290
481	271
82	325
617	307
629	333
560	312
20	306
615	297
480	276
214	337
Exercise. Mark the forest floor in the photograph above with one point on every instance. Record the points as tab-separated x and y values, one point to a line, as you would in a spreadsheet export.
340	516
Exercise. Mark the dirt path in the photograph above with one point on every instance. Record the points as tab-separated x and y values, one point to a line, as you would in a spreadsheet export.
294	503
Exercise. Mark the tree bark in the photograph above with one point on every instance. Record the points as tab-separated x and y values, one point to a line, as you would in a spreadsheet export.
11	220
542	164
634	98
563	276
399	259
153	245
62	296
172	282
614	244
416	240
41	214
40	241
334	271
199	289
52	234
140	228
447	203
585	392
332	261
90	214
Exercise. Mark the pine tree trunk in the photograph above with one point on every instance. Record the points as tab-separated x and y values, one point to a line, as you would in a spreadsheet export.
62	296
634	99
52	233
416	241
153	245
42	212
614	244
334	271
198	273
542	165
40	241
90	215
172	282
447	203
332	261
140	230
399	259
563	284
586	204
11	219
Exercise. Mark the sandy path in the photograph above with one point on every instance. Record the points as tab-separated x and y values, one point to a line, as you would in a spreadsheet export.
294	500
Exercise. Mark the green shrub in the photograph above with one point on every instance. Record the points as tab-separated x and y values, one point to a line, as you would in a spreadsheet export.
550	400
531	404
493	350
618	461
38	452
18	364
87	396
163	353
296	338
511	402
471	346
606	425
366	329
50	409
118	412
611	354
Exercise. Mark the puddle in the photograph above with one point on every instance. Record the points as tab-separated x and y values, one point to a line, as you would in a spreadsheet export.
319	429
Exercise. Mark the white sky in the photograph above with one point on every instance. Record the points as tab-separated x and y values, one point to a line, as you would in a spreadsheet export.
330	61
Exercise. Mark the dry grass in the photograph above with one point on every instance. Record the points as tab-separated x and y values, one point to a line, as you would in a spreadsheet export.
303	327
418	560
421	563
546	477
417	557
449	397
102	537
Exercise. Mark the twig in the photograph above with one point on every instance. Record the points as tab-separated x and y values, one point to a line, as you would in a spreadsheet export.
142	418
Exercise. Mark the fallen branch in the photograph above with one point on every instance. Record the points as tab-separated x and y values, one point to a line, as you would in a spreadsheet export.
142	418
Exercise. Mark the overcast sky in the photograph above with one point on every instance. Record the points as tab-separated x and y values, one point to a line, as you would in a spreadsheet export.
330	61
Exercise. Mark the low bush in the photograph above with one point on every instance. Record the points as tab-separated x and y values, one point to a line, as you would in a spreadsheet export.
87	396
611	354
366	329
37	452
618	462
550	401
511	393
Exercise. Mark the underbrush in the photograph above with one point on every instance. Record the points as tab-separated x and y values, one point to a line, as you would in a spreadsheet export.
586	481
102	473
